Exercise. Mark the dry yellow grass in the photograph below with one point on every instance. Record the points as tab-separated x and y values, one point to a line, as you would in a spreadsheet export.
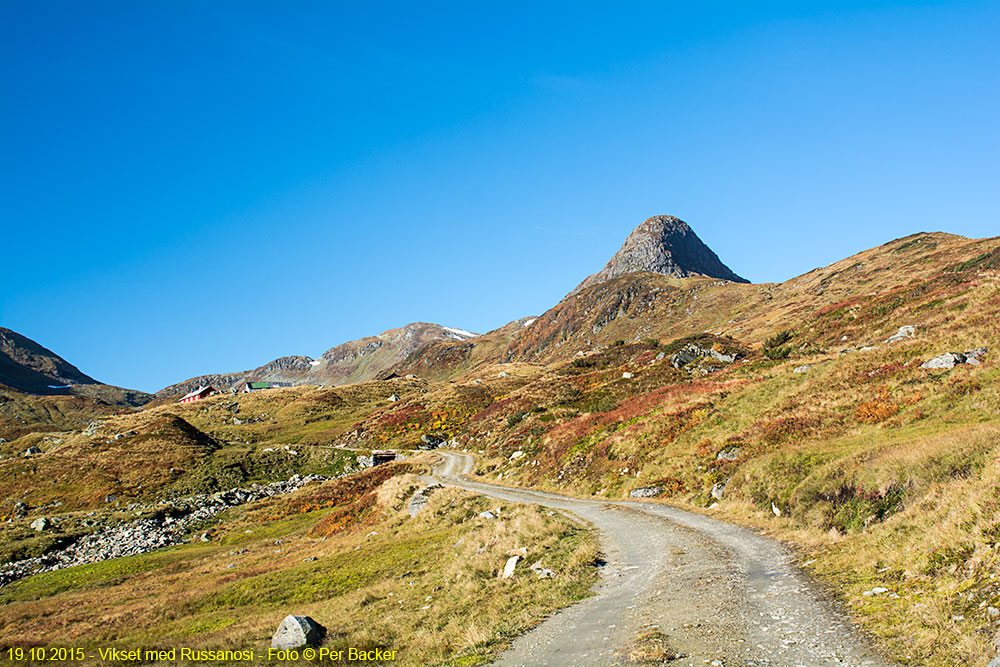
424	586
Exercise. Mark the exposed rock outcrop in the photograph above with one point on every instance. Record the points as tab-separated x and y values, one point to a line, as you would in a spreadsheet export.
667	245
952	359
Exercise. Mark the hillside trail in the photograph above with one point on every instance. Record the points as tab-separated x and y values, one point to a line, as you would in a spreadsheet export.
714	592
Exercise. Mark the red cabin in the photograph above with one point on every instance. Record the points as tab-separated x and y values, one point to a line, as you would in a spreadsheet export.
198	394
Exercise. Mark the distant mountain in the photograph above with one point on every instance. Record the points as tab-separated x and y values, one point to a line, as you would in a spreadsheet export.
354	361
444	360
666	245
28	367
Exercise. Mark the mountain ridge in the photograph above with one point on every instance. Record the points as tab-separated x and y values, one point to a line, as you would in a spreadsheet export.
353	361
30	367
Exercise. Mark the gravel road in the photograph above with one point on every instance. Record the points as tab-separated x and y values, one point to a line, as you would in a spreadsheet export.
680	582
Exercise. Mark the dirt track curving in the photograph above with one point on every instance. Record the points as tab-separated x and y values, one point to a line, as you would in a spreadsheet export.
680	582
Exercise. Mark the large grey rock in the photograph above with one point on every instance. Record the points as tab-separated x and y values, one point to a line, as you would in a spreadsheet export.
430	442
719	490
946	360
719	356
297	631
905	331
683	358
645	492
41	523
691	352
975	356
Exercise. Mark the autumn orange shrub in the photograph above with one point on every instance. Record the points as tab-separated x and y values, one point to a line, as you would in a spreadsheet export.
362	512
343	491
875	411
783	428
705	448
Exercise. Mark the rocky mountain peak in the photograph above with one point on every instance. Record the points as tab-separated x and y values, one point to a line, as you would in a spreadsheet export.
667	245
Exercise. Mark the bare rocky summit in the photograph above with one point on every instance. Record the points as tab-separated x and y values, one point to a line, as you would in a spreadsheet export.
666	245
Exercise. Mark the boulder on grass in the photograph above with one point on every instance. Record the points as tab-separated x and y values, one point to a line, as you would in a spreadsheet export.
946	360
974	357
906	331
297	631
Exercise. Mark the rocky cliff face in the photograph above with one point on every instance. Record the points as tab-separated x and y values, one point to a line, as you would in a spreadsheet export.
666	245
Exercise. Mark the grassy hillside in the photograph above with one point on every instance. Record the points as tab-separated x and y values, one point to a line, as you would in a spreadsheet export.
346	553
788	401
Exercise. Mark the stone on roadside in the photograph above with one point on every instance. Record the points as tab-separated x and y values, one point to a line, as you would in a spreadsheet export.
719	490
297	631
645	492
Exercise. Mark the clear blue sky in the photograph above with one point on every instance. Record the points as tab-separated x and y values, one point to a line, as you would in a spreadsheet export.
194	187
